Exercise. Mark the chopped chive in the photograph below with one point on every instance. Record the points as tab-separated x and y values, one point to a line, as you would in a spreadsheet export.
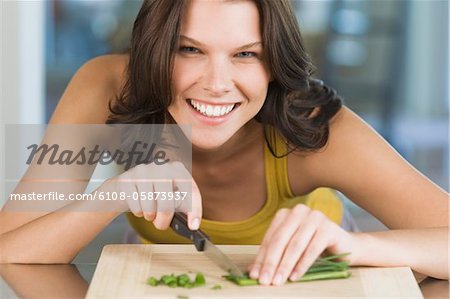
152	281
167	279
199	279
174	281
183	279
189	285
244	280
172	284
322	268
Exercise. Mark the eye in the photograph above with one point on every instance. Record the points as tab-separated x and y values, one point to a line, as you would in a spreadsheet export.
247	54
189	50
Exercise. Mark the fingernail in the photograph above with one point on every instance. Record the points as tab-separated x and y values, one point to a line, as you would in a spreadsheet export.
277	279
254	273
195	224
294	276
264	279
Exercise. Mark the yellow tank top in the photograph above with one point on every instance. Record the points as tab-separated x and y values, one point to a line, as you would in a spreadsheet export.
251	231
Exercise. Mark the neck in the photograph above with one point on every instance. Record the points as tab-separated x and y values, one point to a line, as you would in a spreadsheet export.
235	145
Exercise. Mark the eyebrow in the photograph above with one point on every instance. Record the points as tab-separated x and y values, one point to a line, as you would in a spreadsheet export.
199	44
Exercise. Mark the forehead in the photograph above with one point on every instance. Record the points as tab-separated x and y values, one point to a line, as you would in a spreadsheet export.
221	19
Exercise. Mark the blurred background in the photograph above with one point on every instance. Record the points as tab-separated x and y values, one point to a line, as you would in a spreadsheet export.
389	59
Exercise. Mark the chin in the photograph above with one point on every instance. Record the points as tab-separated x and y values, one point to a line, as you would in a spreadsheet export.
205	142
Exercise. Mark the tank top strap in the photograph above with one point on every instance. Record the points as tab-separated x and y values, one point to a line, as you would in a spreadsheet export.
276	168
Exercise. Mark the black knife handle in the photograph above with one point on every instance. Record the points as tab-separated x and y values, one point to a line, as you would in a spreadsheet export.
180	226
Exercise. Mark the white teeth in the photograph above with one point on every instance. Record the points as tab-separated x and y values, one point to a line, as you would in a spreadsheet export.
212	110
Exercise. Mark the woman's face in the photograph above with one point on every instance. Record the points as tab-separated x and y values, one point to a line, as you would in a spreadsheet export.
220	80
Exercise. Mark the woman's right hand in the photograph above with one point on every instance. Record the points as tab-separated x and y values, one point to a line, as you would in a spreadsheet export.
155	191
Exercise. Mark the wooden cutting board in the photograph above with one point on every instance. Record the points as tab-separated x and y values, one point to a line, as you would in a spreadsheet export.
123	269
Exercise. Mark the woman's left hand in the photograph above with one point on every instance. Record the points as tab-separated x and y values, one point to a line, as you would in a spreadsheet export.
294	240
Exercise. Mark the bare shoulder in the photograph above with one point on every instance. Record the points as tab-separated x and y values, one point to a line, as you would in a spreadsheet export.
86	97
358	162
311	165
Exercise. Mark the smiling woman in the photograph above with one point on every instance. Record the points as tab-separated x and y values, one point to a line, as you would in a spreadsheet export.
271	144
207	61
214	69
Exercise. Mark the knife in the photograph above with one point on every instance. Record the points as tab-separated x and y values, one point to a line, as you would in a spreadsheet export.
202	243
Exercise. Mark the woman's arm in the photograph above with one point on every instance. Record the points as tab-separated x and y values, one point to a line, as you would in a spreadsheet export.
85	101
425	250
55	238
358	162
371	173
58	234
298	236
45	236
44	281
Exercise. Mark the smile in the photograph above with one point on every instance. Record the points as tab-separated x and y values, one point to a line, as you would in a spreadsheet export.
211	110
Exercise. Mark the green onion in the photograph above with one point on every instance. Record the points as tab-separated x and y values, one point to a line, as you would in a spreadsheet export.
333	257
174	281
199	279
183	279
322	268
324	275
152	281
244	280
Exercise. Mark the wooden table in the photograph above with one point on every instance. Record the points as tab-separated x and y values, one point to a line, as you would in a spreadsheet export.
72	281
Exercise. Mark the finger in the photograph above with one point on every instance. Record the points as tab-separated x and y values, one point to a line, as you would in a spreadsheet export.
280	241
278	219
128	186
257	264
274	226
192	199
317	245
165	207
296	246
195	215
126	183
144	190
146	199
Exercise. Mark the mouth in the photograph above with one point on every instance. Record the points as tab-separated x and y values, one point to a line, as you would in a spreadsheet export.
212	110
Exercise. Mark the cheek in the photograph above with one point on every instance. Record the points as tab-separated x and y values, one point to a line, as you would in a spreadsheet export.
184	75
254	83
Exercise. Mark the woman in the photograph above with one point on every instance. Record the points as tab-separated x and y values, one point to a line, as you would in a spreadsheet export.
265	137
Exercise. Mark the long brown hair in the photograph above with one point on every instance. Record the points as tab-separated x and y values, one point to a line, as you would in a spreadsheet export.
292	94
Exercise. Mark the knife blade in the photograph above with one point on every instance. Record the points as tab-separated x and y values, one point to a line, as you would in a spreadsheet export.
221	259
202	243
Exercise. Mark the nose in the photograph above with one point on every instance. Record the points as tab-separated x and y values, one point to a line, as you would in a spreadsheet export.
217	77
